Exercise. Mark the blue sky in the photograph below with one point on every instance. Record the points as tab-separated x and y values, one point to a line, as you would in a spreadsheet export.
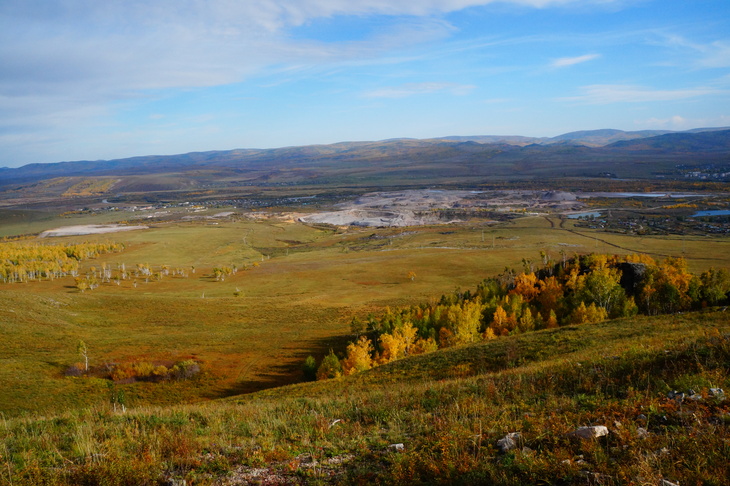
90	79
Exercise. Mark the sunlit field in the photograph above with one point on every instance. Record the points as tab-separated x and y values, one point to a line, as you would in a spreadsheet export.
294	293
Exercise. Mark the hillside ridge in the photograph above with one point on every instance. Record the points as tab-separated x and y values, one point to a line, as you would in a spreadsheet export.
597	153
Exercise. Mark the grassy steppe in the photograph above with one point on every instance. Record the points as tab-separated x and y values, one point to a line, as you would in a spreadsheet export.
309	284
447	409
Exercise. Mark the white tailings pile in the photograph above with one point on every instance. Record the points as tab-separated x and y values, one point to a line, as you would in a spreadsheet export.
89	229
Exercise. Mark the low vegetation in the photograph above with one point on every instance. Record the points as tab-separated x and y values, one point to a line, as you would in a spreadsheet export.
136	371
90	187
653	382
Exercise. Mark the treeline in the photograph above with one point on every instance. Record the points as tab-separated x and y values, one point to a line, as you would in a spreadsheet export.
581	290
24	262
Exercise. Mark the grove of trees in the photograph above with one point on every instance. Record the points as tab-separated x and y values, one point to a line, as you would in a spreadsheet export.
25	262
580	290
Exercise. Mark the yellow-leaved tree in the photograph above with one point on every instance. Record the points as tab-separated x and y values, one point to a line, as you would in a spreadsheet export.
588	315
359	356
464	321
398	343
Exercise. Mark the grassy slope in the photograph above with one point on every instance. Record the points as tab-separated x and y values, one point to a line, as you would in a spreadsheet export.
298	302
448	409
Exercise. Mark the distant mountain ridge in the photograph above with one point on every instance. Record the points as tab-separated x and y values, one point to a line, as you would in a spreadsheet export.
705	141
592	138
582	153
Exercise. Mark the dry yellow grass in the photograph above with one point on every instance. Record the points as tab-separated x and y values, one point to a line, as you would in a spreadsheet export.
298	300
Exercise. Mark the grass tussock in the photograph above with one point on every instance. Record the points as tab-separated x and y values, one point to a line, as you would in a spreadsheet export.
448	409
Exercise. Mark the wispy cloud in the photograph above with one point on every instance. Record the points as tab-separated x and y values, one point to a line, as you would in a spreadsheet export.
678	122
572	61
714	54
675	122
207	43
411	89
73	67
619	93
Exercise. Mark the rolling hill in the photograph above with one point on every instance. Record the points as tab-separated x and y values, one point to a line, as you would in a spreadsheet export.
401	161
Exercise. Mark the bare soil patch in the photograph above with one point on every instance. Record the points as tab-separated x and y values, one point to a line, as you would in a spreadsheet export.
426	207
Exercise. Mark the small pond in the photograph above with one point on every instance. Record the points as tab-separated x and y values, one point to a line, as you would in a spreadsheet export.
587	214
712	212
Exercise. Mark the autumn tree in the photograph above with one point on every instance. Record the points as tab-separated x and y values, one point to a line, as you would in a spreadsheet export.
588	314
669	287
550	298
359	356
715	286
464	321
82	284
552	320
446	337
601	286
500	321
526	322
422	346
397	344
526	286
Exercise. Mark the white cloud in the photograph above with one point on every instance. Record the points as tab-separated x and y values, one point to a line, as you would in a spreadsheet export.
678	122
618	93
93	53
675	122
64	63
411	89
571	61
137	44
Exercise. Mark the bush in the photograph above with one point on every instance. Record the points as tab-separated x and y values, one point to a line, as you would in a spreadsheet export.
185	370
310	368
330	367
146	371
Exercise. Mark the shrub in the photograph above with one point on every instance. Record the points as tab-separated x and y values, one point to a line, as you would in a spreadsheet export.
185	370
330	367
146	371
310	368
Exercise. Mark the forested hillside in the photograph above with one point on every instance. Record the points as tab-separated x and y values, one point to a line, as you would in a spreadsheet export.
580	290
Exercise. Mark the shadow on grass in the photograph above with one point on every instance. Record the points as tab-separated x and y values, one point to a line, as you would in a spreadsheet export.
284	374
